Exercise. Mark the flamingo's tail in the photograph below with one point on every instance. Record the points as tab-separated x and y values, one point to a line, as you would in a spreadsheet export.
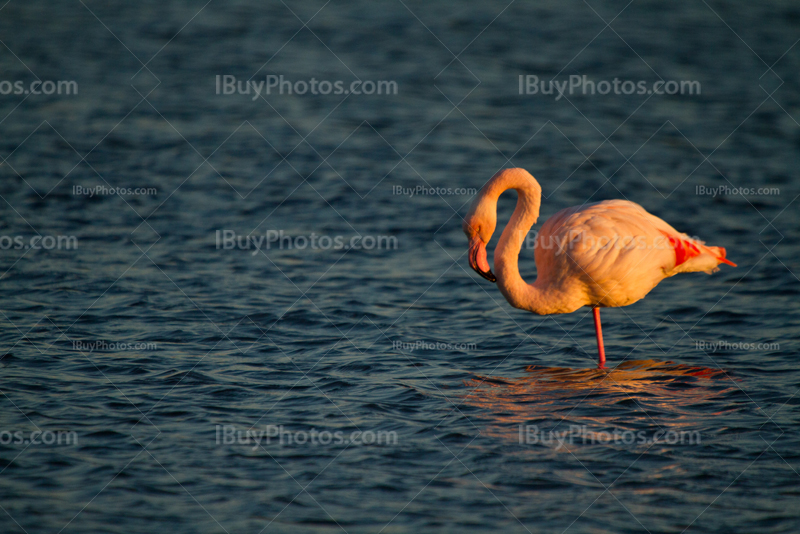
694	256
719	253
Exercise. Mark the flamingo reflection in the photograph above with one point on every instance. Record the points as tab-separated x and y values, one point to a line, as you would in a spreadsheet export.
633	394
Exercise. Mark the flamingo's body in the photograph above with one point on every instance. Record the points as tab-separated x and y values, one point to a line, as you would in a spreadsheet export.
605	254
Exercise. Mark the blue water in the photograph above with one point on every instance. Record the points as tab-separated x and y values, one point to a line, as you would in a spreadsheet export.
148	342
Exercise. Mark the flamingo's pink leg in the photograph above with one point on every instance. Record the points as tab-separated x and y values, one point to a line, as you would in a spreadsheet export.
599	331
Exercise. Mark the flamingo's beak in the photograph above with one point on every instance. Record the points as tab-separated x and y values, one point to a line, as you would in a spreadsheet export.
477	259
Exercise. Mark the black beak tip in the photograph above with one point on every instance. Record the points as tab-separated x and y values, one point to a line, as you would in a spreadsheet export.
489	275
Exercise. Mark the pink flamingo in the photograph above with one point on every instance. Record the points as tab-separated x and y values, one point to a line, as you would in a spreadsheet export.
604	254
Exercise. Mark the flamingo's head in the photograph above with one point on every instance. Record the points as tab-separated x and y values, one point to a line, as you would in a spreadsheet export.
479	226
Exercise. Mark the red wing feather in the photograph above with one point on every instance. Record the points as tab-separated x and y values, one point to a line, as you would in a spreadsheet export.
686	250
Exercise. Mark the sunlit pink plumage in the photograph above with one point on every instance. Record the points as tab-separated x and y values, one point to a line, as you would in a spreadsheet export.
604	254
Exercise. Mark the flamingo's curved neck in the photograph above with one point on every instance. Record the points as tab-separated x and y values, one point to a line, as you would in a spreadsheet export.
517	292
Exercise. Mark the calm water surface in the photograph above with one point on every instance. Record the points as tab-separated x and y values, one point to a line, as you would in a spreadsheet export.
152	344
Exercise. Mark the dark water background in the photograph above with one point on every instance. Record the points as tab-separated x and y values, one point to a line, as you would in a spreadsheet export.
304	338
